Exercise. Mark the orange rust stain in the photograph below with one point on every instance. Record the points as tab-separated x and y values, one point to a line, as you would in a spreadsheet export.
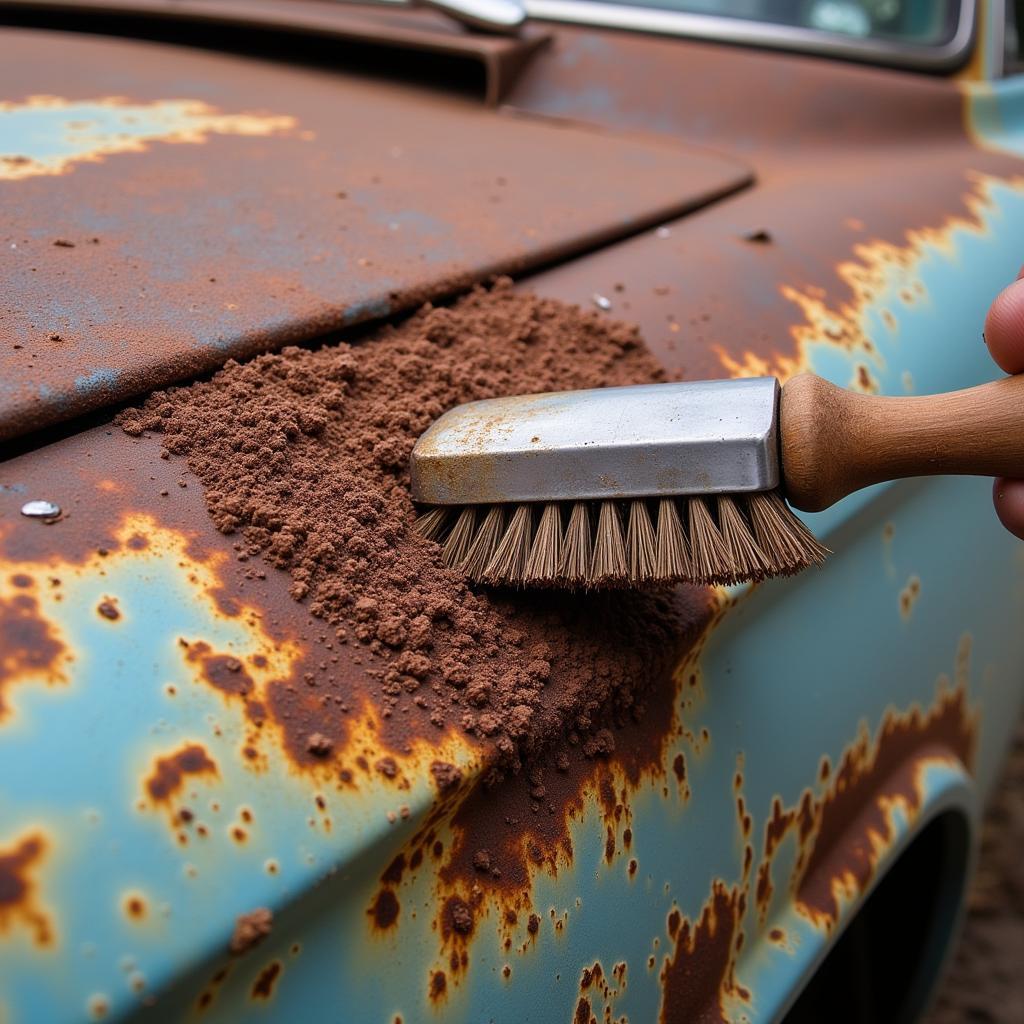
701	971
135	907
843	833
908	596
263	987
877	268
384	910
869	779
438	986
169	773
19	896
30	644
223	672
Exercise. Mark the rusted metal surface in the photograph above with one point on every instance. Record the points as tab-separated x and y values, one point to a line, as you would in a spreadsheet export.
847	198
396	30
808	728
263	204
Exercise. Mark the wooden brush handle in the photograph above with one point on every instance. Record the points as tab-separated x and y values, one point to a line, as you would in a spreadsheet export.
836	441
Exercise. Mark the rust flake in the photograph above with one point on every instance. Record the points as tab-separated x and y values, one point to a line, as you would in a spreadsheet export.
19	890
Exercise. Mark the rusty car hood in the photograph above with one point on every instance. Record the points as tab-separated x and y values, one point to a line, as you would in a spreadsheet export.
192	207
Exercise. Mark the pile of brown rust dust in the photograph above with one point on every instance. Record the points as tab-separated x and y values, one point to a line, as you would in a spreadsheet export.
304	455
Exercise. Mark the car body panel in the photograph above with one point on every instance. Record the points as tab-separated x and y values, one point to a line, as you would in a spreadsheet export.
898	665
201	207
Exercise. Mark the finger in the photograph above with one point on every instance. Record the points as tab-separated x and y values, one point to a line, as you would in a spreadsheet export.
1004	327
1008	496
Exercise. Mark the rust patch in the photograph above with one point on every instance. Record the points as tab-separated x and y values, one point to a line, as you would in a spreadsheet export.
169	773
700	972
263	987
908	597
108	609
438	986
869	779
19	895
843	832
135	907
583	1014
384	910
222	671
30	646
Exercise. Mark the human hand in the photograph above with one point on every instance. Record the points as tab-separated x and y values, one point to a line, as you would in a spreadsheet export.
1004	334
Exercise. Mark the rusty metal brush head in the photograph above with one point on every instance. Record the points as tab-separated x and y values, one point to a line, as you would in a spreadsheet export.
612	487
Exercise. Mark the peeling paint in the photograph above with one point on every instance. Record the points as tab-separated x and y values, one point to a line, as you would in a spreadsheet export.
49	135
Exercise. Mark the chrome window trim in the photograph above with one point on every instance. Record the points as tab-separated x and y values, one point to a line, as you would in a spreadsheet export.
946	57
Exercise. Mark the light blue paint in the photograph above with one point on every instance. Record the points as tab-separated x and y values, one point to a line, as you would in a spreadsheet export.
97	380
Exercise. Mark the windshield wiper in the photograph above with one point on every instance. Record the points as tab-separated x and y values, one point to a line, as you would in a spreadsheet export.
501	16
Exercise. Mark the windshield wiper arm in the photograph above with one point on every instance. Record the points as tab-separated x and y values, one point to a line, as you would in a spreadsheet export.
500	16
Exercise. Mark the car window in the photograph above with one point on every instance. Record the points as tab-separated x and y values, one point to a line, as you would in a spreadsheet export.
922	22
1013	38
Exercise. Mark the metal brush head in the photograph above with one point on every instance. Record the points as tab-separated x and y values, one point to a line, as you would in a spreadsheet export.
614	487
702	437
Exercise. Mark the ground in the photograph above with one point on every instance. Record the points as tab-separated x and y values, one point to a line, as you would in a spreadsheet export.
985	983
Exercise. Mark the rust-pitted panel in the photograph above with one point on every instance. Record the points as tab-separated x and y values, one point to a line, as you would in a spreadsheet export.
845	195
266	204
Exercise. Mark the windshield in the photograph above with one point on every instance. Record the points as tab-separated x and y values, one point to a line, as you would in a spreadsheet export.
920	22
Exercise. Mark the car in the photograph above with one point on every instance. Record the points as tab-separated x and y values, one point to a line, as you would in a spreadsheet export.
213	807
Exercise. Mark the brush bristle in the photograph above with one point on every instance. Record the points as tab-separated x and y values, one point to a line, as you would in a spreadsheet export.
640	543
546	554
672	561
778	530
432	524
737	537
486	542
575	567
608	566
509	561
749	561
711	558
457	545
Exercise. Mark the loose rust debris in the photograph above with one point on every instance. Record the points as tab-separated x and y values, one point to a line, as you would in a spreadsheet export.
109	610
250	930
19	897
318	744
303	455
